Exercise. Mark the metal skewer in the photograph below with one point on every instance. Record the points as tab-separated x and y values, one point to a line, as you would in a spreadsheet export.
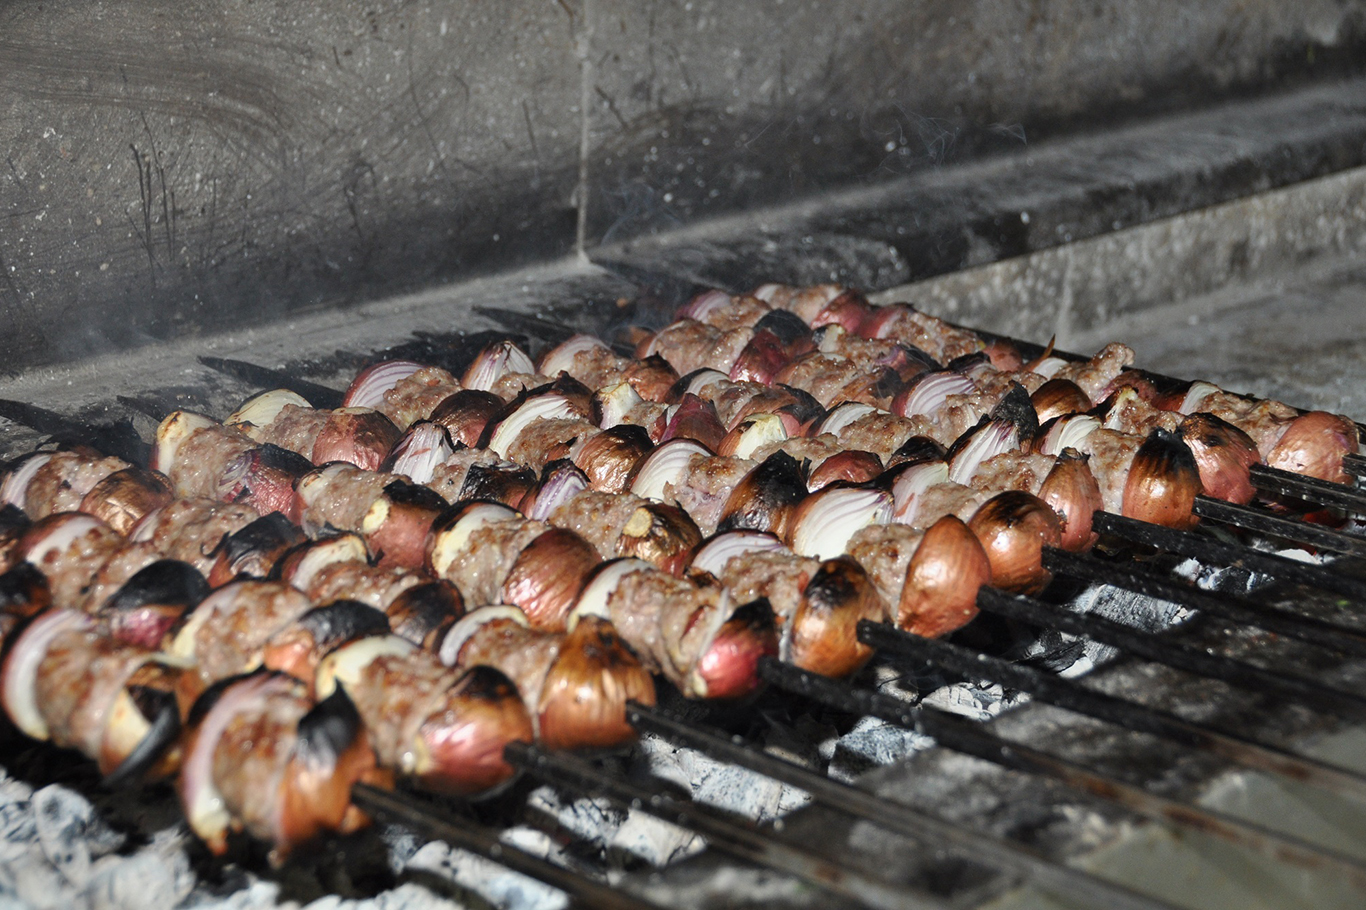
1138	718
485	842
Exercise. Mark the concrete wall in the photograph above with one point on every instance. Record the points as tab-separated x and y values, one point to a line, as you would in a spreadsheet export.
171	167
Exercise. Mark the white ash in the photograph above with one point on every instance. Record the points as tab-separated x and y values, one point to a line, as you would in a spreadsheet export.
56	851
720	784
467	872
255	894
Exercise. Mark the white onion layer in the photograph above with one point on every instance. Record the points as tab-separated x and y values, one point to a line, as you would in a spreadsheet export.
261	410
911	483
595	596
831	517
664	466
713	556
463	630
368	388
14	491
18	685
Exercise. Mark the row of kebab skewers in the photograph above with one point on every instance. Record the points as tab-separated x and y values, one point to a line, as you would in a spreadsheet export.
292	600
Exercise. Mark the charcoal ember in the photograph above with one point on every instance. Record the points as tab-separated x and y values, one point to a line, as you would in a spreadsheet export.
872	743
491	882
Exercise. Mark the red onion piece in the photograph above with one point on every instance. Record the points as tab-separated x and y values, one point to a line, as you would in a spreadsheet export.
422	449
494	362
1195	396
18	691
542	407
665	465
910	483
560	359
841	416
562	485
368	388
713	555
927	393
826	520
14	491
703	305
989	441
1068	433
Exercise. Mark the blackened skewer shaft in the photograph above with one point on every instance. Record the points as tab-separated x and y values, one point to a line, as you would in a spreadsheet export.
972	738
1071	695
1312	489
585	892
1209	550
320	396
892	815
1319	632
730	835
119	440
1260	521
1172	653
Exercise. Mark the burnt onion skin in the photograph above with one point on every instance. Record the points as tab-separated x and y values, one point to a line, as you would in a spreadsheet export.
946	571
609	459
824	633
1223	456
299	647
767	497
1013	528
662	535
126	497
582	703
254	551
152	603
424	613
466	414
263	478
1058	397
1163	482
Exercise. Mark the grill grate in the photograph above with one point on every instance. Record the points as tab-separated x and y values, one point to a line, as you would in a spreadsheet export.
767	846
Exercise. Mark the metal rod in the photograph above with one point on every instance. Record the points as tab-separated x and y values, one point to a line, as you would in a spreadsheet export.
1262	522
895	816
971	738
1354	464
1073	696
1332	636
320	396
740	838
1164	650
120	440
1209	550
483	841
1312	489
153	409
536	326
